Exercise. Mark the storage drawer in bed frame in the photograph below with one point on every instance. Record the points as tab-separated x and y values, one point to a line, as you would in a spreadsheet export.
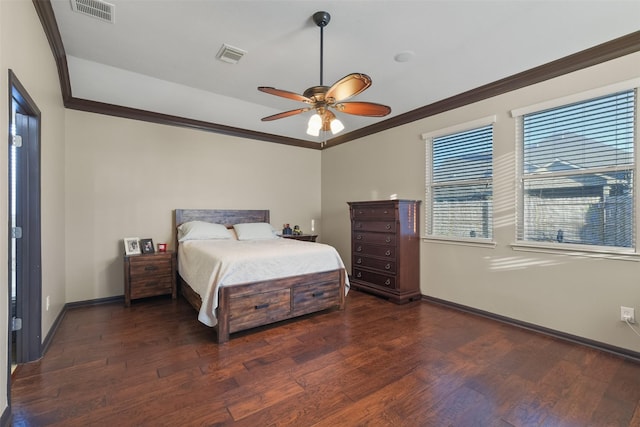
242	307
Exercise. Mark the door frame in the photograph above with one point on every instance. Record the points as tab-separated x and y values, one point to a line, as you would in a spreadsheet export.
30	270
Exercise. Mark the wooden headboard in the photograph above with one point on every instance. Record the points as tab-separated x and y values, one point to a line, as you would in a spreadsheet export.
221	216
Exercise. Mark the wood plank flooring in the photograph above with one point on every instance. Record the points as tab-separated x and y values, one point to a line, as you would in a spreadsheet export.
373	364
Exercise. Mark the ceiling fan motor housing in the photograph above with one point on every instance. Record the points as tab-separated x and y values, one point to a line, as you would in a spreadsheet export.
321	18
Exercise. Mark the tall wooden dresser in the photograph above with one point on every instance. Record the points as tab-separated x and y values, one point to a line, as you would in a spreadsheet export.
385	248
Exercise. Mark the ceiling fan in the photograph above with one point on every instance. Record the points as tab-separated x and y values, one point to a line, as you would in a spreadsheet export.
321	98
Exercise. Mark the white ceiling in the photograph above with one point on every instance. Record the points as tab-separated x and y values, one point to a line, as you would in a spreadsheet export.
159	55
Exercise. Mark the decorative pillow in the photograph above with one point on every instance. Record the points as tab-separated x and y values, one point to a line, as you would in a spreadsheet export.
200	230
255	231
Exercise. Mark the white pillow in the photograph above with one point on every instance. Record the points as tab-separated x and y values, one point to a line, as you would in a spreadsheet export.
200	230
255	231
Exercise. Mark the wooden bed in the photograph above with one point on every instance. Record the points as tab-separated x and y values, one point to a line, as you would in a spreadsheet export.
250	305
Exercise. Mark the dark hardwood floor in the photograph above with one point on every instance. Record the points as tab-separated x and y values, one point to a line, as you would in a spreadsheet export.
375	363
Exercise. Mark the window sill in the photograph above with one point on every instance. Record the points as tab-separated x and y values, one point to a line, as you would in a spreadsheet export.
482	243
577	250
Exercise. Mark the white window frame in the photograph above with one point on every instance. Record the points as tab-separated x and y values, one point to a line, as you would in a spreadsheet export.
608	252
428	138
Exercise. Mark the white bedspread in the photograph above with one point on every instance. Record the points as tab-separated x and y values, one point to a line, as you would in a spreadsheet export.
208	264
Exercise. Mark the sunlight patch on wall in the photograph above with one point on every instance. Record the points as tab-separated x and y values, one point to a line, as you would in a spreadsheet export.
518	263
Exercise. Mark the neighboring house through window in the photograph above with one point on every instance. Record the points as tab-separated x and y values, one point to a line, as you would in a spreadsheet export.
577	168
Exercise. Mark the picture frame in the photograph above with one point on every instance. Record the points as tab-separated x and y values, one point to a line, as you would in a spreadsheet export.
146	245
132	246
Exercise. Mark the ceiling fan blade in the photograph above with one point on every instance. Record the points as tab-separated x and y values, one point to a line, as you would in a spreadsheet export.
363	109
285	114
284	94
347	87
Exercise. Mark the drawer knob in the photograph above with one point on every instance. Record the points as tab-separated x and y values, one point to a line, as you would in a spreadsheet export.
358	248
358	260
150	268
265	305
388	239
317	294
359	237
359	274
386	211
358	225
388	227
387	267
387	282
388	252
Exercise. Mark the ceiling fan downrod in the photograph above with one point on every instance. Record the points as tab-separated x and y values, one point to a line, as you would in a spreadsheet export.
322	20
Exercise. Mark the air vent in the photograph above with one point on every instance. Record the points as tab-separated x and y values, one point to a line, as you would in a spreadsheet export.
95	8
230	54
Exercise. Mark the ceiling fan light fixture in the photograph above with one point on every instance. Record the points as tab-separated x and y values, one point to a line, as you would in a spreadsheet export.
336	126
314	125
321	98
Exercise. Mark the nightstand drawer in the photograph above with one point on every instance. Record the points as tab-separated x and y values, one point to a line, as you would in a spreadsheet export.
144	267
148	287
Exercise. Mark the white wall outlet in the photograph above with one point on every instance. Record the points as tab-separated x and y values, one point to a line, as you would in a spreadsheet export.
627	314
47	304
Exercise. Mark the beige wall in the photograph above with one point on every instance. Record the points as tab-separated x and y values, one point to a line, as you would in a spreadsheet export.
25	50
580	296
125	178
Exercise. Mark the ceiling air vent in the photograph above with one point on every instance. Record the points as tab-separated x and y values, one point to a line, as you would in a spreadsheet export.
230	54
96	8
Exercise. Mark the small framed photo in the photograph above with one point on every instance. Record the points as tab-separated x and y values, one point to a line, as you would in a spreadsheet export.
147	246
132	246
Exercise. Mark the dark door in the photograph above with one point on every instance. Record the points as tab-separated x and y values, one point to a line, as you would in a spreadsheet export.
25	275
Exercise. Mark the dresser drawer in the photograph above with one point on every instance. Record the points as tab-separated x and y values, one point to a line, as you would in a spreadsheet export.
378	264
149	266
374	212
151	286
378	279
383	226
375	250
378	238
252	310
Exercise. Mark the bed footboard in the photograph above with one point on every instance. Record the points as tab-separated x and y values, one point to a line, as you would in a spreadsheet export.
242	307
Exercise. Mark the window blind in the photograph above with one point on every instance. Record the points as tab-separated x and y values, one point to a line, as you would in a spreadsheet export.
461	184
577	173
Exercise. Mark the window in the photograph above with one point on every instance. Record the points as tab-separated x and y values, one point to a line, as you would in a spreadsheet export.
577	173
459	183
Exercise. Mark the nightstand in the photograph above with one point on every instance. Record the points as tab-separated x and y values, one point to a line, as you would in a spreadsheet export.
149	275
303	237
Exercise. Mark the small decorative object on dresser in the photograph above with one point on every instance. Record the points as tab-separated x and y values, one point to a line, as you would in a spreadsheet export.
385	248
149	275
147	246
132	246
